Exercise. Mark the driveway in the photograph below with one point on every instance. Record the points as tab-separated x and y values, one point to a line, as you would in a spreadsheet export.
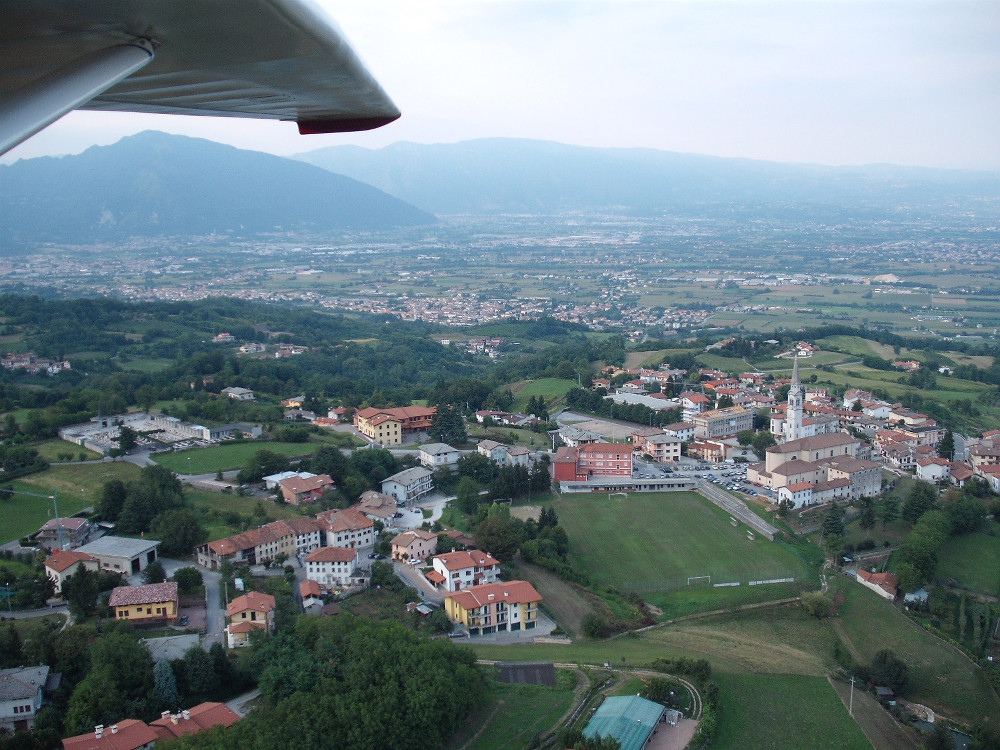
215	615
412	577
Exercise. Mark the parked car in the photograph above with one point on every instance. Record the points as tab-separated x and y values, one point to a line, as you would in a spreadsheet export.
184	620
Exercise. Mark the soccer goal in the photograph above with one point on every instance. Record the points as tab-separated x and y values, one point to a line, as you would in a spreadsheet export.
700	580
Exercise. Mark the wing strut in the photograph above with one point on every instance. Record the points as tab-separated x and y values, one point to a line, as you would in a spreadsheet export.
40	103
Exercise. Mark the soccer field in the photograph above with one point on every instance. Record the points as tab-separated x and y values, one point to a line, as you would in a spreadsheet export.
655	542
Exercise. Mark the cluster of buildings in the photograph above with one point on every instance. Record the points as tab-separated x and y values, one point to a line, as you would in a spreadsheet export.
33	365
101	433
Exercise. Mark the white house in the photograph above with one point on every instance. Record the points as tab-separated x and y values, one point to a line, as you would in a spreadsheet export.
933	469
349	528
21	696
238	394
459	570
798	494
331	567
408	486
434	455
65	563
504	455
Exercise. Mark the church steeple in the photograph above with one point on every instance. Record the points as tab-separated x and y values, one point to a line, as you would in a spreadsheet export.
792	427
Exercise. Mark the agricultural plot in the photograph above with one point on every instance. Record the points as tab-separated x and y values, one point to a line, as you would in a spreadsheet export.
516	715
547	388
774	712
940	676
655	542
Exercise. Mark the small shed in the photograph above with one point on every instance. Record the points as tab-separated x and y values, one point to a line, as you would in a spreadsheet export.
886	695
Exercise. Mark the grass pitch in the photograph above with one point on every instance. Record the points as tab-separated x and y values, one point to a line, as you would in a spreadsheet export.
654	542
227	456
973	561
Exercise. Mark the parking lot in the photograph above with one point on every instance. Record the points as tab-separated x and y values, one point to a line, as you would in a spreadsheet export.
730	475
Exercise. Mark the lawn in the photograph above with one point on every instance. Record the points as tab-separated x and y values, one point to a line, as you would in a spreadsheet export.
774	712
227	456
50	450
549	388
973	561
654	542
515	716
212	508
940	676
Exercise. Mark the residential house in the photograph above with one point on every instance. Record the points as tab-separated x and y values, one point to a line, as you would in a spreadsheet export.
295	402
574	437
460	570
127	734
256	546
332	567
311	596
883	584
504	455
273	481
409	485
415	544
376	506
310	534
65	563
683	431
389	426
150	604
349	528
297	491
21	691
933	469
238	394
64	533
194	720
494	607
663	448
434	455
251	611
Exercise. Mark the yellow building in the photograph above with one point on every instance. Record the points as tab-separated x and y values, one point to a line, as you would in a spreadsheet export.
494	607
387	426
152	604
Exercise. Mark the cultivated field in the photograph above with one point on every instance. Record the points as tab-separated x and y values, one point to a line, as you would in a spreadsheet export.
775	712
654	542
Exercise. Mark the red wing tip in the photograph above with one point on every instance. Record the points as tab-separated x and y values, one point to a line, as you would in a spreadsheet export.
345	125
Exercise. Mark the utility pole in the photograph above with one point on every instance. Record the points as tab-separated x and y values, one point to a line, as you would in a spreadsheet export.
850	710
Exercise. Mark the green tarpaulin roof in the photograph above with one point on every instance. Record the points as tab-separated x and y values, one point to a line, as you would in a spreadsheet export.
628	718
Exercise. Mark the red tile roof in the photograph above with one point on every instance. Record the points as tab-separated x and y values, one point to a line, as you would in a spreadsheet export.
251	600
65	559
202	716
511	592
309	588
472	558
348	519
129	734
332	554
151	593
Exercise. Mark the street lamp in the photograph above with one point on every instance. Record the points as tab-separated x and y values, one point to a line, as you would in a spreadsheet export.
7	589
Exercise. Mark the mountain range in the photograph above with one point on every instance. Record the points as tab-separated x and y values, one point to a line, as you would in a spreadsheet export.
503	175
154	184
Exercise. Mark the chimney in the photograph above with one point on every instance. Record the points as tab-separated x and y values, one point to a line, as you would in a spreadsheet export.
114	729
186	714
174	718
164	714
99	731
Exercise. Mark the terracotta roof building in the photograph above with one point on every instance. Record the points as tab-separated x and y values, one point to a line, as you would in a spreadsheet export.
152	604
494	607
194	720
127	734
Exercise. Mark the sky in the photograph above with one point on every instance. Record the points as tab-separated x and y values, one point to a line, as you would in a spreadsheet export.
838	82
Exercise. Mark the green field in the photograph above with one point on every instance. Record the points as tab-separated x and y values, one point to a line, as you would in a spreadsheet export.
774	712
515	715
653	542
212	508
225	457
548	388
940	676
50	450
972	561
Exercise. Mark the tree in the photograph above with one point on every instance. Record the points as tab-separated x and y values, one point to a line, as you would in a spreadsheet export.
761	442
447	426
889	670
745	437
127	439
595	625
817	604
498	534
188	579
154	573
966	515
833	521
165	685
113	495
467	495
946	448
867	518
199	669
179	532
921	499
80	592
887	510
95	700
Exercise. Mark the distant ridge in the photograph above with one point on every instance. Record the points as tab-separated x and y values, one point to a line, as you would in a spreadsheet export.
503	175
154	184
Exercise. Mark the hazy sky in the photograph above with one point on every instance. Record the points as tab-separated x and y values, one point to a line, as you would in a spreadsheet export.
845	82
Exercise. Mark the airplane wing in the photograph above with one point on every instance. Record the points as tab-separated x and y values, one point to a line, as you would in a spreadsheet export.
270	59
